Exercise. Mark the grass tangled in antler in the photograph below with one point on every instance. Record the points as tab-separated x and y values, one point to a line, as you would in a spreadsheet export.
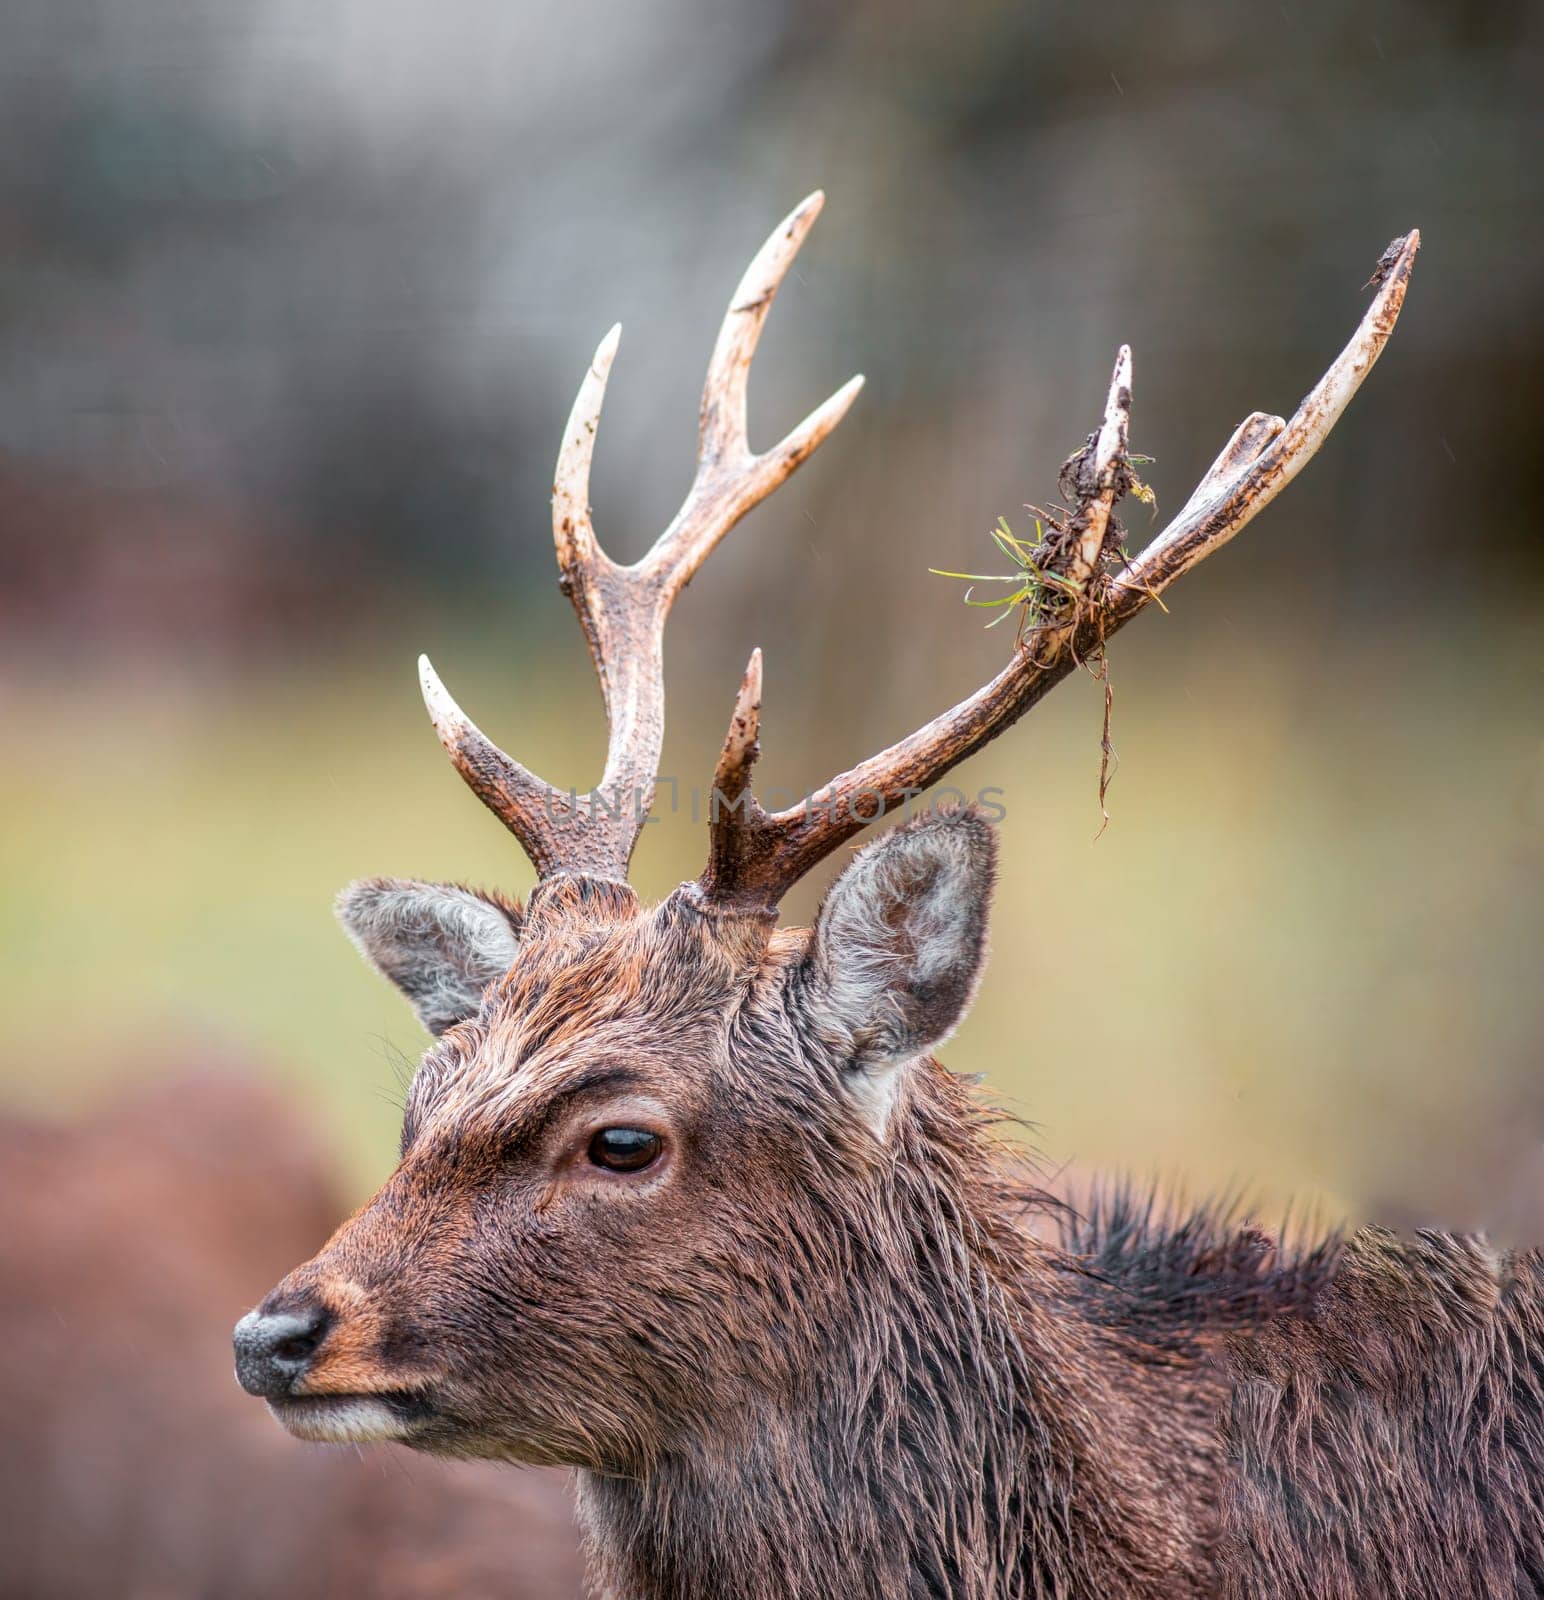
1029	579
1050	598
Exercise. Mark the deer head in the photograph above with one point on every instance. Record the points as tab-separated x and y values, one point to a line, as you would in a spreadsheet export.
665	1164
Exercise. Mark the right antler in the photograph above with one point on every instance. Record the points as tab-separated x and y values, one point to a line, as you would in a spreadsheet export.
623	609
755	857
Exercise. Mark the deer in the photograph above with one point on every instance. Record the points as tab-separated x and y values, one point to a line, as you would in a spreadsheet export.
687	1204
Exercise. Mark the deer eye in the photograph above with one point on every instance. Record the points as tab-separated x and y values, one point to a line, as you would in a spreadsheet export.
625	1149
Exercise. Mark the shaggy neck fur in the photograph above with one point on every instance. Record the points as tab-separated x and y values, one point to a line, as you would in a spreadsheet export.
982	1421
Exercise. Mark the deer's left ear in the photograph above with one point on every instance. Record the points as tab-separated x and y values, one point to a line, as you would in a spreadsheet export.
898	948
441	945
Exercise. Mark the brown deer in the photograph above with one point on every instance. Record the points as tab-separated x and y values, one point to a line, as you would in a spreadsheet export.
686	1203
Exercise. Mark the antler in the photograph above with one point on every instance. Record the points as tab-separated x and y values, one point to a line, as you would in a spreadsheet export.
755	857
622	610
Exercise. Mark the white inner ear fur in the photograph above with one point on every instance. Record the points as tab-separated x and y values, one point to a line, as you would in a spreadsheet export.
898	951
441	945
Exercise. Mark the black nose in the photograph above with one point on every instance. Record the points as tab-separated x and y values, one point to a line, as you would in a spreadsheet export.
275	1348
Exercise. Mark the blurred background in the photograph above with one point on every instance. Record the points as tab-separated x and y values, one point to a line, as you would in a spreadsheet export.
294	298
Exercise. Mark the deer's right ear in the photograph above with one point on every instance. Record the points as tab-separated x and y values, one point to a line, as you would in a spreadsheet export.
441	945
897	950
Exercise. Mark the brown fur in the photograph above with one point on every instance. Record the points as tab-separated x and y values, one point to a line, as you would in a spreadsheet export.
803	1361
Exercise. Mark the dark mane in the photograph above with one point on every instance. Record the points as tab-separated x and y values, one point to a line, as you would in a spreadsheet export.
1146	1263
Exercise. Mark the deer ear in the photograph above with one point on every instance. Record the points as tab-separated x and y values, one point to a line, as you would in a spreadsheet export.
898	948
441	945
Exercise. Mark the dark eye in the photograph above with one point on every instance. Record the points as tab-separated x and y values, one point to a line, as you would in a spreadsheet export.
625	1149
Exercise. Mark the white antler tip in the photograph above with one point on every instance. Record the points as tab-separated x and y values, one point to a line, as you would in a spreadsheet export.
838	405
606	350
436	698
793	229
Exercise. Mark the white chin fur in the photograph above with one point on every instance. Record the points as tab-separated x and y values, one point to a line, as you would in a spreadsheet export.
349	1419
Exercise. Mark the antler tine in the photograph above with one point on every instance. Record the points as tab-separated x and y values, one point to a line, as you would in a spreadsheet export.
532	810
1098	474
1249	439
721	426
1244	480
754	862
572	531
622	610
731	478
742	744
558	830
734	813
586	574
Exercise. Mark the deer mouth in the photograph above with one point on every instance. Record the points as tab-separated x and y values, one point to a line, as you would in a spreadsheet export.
352	1418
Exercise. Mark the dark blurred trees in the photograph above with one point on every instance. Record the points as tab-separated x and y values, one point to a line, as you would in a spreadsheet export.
293	299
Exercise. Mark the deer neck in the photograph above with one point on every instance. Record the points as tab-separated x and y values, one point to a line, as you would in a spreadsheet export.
971	1432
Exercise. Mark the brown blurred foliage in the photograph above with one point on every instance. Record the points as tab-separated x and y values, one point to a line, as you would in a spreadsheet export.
130	1462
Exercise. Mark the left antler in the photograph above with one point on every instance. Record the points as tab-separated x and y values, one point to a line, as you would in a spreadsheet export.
755	857
623	609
